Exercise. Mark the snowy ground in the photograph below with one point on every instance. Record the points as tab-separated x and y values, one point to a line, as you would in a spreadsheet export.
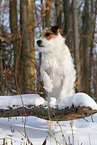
13	130
36	129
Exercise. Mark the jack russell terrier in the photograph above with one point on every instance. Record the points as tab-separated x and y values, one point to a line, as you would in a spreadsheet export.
57	68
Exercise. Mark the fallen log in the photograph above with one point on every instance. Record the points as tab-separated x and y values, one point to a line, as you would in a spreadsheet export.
48	113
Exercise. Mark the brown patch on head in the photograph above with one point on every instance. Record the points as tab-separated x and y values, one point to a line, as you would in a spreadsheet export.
51	32
56	29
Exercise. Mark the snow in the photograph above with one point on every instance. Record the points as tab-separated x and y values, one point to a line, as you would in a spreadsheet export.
36	130
78	99
20	100
14	129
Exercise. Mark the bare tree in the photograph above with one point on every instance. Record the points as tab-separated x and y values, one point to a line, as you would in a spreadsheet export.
67	31
58	7
87	30
92	31
1	70
76	42
15	37
47	12
85	47
31	54
27	49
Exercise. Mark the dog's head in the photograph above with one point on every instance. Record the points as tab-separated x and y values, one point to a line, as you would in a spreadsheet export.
50	39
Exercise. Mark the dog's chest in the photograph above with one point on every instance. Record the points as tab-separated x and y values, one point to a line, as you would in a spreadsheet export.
53	66
51	62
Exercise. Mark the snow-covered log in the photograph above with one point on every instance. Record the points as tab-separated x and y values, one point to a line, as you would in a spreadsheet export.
49	113
77	106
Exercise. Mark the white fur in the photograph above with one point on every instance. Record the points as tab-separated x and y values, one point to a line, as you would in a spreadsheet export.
57	68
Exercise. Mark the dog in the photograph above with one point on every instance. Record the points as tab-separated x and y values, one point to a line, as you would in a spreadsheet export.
57	68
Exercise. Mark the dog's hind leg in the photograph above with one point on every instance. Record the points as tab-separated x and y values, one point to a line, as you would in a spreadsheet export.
72	123
51	124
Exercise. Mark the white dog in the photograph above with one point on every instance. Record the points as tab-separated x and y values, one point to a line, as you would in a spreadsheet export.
57	68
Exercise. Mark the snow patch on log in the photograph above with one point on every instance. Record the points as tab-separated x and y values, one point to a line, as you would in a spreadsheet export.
20	100
78	99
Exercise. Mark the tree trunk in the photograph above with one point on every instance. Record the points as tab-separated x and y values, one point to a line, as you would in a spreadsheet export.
1	64
1	71
13	25
15	37
24	55
76	43
93	21
58	12
31	50
67	23
40	89
85	47
47	17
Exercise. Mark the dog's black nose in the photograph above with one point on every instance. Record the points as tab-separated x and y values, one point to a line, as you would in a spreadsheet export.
39	42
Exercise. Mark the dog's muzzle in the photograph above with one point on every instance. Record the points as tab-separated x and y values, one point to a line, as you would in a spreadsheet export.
39	42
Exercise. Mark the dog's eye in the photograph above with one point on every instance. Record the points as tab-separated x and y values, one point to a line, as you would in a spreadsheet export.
48	34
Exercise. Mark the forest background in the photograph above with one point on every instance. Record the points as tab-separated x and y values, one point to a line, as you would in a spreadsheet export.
21	22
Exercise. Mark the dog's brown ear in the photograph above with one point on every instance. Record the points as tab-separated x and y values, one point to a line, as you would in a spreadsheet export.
56	29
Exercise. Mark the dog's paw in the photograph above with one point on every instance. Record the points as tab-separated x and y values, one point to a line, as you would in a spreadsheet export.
48	87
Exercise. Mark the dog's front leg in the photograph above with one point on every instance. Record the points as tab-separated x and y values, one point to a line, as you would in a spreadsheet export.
48	85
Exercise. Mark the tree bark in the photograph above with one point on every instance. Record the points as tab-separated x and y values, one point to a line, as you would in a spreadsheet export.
76	43
15	37
67	31
85	47
1	70
13	26
47	12
58	12
40	89
24	57
27	67
31	54
92	30
1	64
49	113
